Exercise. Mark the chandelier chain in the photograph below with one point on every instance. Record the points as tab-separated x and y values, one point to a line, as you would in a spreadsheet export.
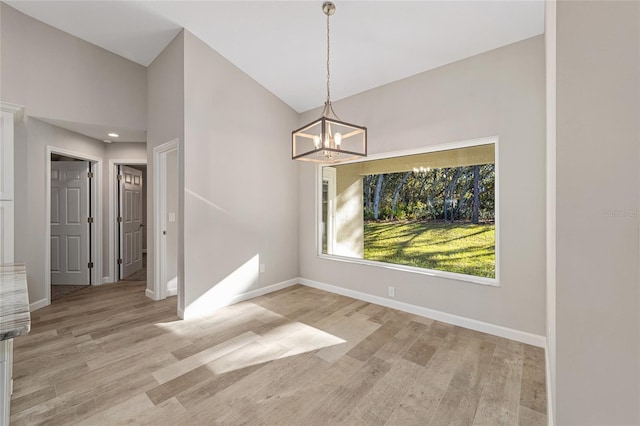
328	63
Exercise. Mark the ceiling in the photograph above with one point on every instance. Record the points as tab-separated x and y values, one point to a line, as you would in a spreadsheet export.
282	44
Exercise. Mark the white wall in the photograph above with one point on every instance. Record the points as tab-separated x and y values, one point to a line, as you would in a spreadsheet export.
349	220
58	76
165	80
240	183
498	93
598	187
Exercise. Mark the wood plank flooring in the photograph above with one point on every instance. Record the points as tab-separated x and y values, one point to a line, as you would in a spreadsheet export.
108	355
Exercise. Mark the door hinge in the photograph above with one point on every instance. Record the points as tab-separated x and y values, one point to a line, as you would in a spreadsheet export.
119	219
90	175
119	261
89	220
90	265
119	177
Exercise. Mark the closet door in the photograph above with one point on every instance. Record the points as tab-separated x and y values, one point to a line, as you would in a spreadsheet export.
69	224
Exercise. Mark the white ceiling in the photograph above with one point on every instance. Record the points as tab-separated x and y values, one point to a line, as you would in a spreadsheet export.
281	44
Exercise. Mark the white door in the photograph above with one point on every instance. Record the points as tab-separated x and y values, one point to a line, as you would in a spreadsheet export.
131	214
69	222
168	210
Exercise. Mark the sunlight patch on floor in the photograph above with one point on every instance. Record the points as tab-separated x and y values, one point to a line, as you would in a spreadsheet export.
247	348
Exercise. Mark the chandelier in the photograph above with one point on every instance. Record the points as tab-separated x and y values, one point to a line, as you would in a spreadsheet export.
329	139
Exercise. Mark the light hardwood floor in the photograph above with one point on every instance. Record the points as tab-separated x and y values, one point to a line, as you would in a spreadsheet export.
108	355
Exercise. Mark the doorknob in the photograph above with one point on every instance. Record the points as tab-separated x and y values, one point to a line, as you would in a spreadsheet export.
164	232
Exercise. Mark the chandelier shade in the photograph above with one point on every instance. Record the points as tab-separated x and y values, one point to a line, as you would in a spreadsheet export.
328	139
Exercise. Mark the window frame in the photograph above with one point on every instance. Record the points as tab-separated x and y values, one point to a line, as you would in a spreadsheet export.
493	282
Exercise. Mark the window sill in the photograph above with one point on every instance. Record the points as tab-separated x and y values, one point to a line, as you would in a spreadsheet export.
492	282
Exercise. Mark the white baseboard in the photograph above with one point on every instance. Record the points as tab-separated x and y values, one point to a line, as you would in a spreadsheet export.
484	327
180	313
149	293
547	361
221	303
39	304
106	280
172	292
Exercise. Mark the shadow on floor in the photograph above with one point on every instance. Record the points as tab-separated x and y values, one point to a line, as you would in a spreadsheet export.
59	291
140	275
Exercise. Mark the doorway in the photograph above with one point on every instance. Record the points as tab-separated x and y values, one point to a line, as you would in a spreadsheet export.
131	207
72	240
166	220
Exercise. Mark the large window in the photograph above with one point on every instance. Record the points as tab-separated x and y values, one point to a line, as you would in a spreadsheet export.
433	211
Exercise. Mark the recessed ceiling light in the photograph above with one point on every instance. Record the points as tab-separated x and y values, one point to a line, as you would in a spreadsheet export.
113	135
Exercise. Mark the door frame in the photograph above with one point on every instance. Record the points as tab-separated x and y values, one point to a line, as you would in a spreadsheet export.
95	200
159	214
113	205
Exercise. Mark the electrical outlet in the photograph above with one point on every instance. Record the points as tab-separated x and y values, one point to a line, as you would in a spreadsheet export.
262	268
392	291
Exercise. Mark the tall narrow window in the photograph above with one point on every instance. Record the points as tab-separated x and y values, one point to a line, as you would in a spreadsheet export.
433	211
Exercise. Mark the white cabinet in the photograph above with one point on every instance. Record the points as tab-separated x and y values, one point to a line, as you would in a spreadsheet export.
6	231
6	155
9	114
6	367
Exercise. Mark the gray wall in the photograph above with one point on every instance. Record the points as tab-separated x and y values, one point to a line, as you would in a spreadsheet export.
165	88
550	62
58	76
32	137
172	193
598	149
240	183
498	93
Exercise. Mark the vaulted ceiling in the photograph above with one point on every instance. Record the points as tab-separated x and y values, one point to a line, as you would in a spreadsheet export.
282	44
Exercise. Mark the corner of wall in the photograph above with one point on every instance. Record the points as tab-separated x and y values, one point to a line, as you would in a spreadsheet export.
550	63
